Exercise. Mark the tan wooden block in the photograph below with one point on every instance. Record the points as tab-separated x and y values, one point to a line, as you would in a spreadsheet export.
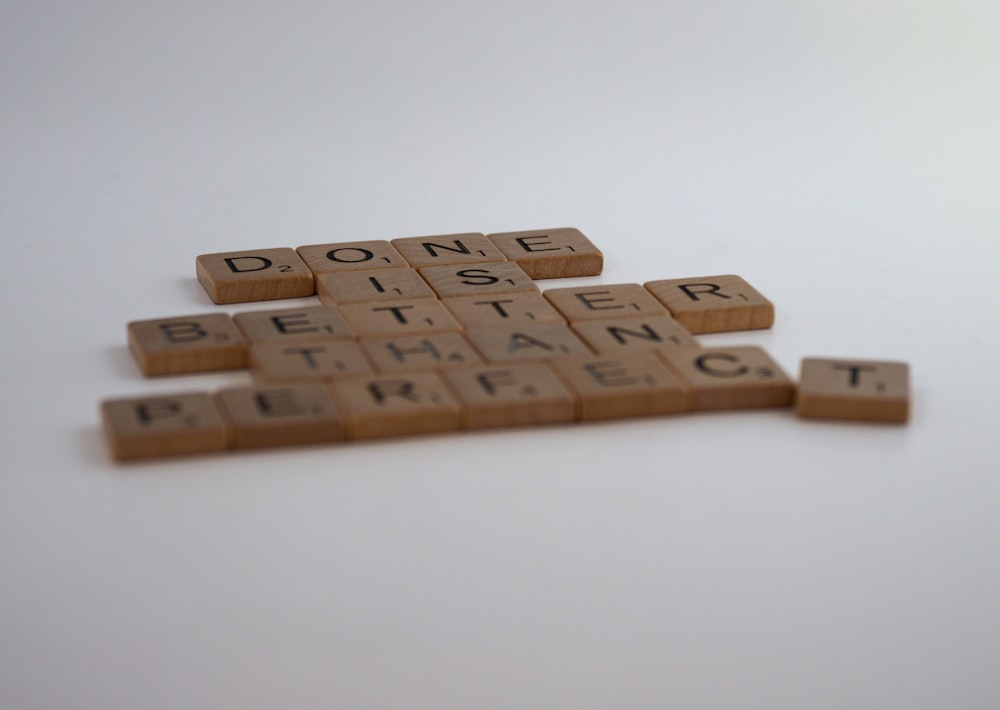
478	279
387	405
293	324
350	256
163	425
428	351
626	385
714	304
526	342
502	310
363	286
182	344
519	394
551	253
581	303
634	334
867	390
401	317
258	275
289	363
731	378
465	248
280	416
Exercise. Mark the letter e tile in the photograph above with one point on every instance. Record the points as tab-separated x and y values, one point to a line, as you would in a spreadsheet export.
551	253
280	416
867	390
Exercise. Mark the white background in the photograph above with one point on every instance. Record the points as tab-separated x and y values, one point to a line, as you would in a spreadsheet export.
842	156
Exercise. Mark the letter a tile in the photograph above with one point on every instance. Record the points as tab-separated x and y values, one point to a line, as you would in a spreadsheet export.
869	390
261	275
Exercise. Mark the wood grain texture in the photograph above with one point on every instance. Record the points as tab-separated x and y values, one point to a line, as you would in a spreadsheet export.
292	324
859	390
442	249
163	425
526	342
731	378
183	344
257	275
350	256
412	353
292	415
366	286
714	304
399	317
519	394
551	253
387	405
626	385
582	303
502	310
478	279
309	361
621	335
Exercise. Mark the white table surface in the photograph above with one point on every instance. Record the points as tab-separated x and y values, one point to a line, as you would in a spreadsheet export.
842	156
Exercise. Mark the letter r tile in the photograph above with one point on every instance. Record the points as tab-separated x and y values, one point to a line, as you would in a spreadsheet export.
714	304
387	405
260	275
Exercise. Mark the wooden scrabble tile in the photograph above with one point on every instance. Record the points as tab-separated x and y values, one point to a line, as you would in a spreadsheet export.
287	363
714	304
466	248
401	317
731	378
478	279
502	310
633	334
526	342
163	425
363	286
199	343
280	416
293	324
387	405
428	351
580	303
260	275
350	256
626	385
871	390
551	253
514	395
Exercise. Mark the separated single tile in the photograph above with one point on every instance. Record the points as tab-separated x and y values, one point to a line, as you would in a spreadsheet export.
844	388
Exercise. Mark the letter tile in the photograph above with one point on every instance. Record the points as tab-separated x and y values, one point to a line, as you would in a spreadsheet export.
626	385
581	303
466	248
261	275
402	317
280	416
478	279
293	324
714	304
349	256
502	310
162	425
844	388
309	361
387	405
731	378
364	286
622	335
183	344
551	253
518	394
428	351
526	342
